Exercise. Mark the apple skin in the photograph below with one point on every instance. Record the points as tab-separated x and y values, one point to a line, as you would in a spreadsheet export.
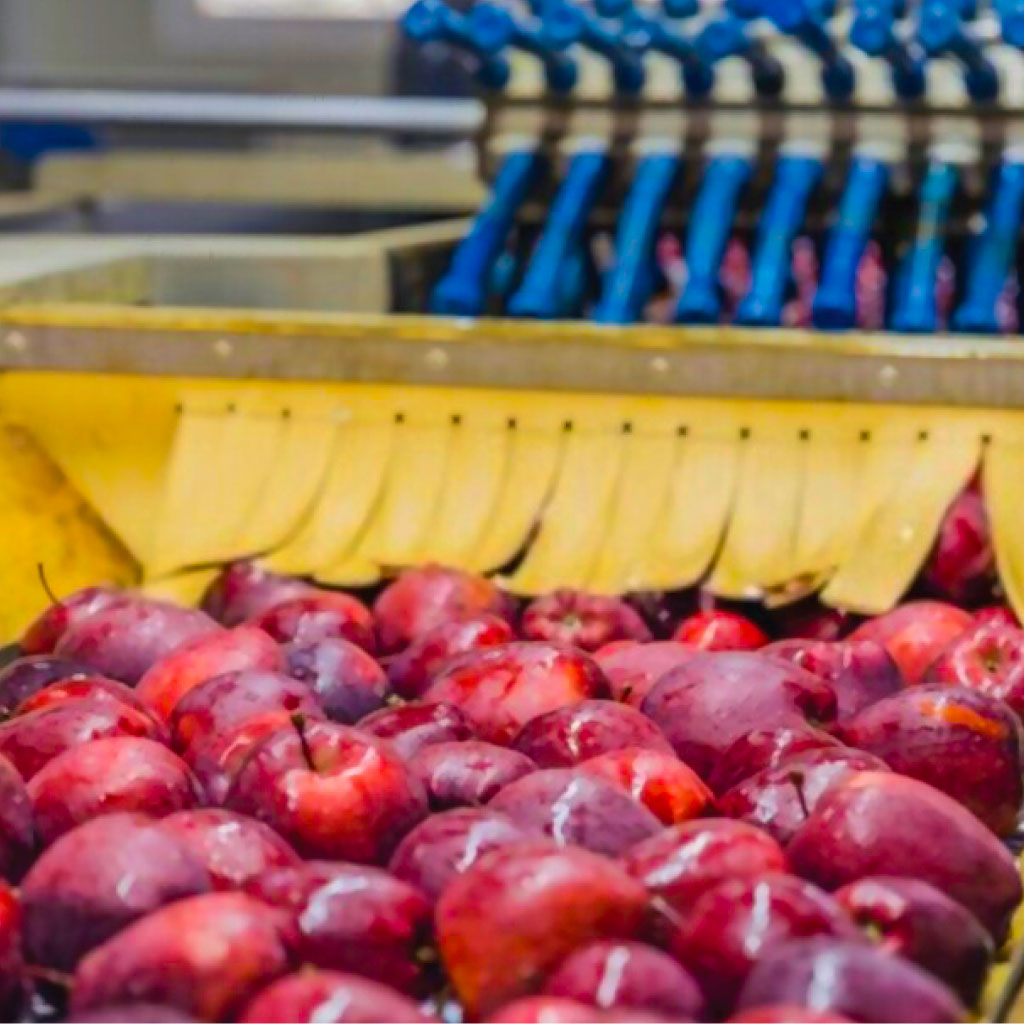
125	639
348	683
205	955
47	630
809	619
96	880
120	773
851	978
24	677
446	845
519	911
412	669
575	733
766	748
961	567
733	925
915	634
353	918
780	799
632	668
861	671
916	921
420	599
872	823
556	1010
235	650
243	590
330	997
661	782
317	616
231	847
575	808
720	630
134	1013
411	727
783	1014
17	830
628	975
960	741
332	791
997	613
96	689
586	621
13	986
710	701
467	774
500	689
989	658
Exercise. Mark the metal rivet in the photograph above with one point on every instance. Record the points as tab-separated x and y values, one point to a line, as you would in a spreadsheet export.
222	348
436	358
16	341
659	364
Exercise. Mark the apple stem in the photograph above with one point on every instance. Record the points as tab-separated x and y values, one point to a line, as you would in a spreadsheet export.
48	975
299	721
797	779
41	571
627	692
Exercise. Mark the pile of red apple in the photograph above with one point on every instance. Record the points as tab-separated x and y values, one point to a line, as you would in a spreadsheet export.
293	806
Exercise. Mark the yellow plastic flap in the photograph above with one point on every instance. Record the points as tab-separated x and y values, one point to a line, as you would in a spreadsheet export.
1003	482
185	588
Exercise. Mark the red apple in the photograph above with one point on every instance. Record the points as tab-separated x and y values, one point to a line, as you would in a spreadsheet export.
411	727
518	912
467	773
958	740
24	677
97	879
783	1014
348	682
43	635
873	824
206	955
1000	614
317	616
134	1013
915	634
121	773
962	566
420	599
502	688
245	589
17	832
12	977
555	1010
809	619
446	845
332	791
586	621
234	650
633	669
720	631
95	689
669	789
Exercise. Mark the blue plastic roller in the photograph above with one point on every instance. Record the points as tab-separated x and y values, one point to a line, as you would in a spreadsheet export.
835	304
941	31
565	25
643	32
711	222
562	238
994	255
680	8
1011	18
915	310
728	36
627	285
872	31
783	215
463	290
797	18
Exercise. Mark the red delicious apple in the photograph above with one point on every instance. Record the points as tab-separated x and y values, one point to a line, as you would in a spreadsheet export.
332	791
97	690
661	782
24	677
962	566
782	1014
710	701
245	589
989	658
411	670
555	1010
720	630
348	682
120	773
99	878
999	614
780	799
766	748
12	977
732	926
809	619
630	975
17	832
125	639
43	635
680	864
586	621
446	845
860	671
353	918
317	616
411	727
467	773
633	669
851	978
232	847
958	740
206	955
420	599
915	920
234	650
31	741
577	809
518	912
134	1013
876	824
218	705
578	732
329	997
915	634
502	688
